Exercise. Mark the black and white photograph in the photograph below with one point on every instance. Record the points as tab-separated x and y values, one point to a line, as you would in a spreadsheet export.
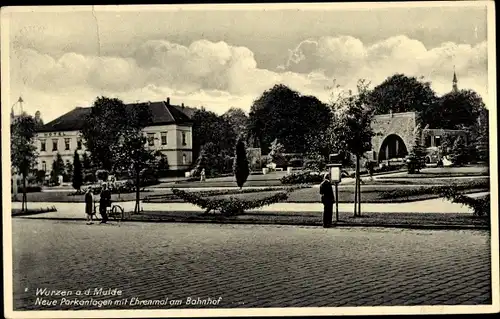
276	159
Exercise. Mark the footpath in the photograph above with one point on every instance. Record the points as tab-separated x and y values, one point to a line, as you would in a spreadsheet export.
428	214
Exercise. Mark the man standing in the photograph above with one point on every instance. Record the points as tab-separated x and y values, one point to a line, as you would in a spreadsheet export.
328	199
104	202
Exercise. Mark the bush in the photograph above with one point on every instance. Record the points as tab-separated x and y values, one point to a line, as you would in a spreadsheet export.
32	189
89	178
480	206
102	175
228	206
296	162
301	178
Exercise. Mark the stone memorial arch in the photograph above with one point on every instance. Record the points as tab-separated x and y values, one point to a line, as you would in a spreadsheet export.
395	135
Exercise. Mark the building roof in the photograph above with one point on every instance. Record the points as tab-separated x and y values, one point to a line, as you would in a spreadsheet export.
162	113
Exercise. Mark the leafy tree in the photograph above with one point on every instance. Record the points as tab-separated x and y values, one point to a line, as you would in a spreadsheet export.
86	161
401	93
58	168
238	120
105	127
23	150
133	155
416	158
77	172
482	138
351	130
208	127
459	154
240	167
284	114
455	110
68	171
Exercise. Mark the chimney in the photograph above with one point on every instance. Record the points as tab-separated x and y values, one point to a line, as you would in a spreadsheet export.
182	105
168	101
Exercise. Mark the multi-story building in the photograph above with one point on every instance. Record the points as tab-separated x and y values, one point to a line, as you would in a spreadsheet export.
170	132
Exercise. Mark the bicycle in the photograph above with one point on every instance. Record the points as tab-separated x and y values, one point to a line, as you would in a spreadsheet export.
115	211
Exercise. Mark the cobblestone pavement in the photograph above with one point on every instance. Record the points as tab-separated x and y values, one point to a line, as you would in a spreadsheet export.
247	265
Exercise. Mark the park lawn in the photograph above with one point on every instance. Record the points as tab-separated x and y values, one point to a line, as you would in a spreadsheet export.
315	219
65	197
422	181
432	172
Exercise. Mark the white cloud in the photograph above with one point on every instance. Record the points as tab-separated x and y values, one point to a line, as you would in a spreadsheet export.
219	75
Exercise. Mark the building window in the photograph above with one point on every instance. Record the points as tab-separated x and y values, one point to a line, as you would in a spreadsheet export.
44	166
42	145
184	139
437	141
54	145
428	141
163	138
79	144
184	159
66	144
151	139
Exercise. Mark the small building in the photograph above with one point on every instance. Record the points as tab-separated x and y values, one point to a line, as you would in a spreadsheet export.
169	132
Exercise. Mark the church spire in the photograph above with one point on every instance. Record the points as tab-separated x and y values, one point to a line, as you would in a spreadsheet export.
455	81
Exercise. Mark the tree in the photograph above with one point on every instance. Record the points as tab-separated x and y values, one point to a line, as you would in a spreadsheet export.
351	130
416	158
240	167
133	155
455	110
68	171
482	140
284	114
77	172
459	155
58	168
103	129
23	150
208	127
401	93
86	161
238	120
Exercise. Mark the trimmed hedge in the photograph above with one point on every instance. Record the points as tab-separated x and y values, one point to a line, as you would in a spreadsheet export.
301	178
437	190
228	206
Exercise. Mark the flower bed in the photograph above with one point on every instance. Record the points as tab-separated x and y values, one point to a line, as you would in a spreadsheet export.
302	178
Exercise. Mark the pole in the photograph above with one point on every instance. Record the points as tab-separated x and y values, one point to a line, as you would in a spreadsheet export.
336	202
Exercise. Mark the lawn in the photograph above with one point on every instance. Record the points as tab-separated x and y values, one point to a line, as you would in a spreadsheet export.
433	172
312	218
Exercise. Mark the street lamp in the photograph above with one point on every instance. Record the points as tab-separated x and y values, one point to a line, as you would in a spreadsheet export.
335	170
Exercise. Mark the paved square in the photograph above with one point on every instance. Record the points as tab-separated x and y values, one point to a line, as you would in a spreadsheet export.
246	265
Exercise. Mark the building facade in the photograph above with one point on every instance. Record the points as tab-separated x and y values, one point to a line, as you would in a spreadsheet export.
169	132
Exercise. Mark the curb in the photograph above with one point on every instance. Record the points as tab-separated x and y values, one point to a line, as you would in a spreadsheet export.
282	223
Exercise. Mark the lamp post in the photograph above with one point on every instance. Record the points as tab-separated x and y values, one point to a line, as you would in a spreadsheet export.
335	170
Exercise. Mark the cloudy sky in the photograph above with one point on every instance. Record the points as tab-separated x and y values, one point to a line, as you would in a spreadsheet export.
224	58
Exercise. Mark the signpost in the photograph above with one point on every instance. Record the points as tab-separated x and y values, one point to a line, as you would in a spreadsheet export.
335	169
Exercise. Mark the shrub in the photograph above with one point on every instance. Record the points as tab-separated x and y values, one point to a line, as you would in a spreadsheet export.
89	178
102	174
306	177
480	206
296	162
228	206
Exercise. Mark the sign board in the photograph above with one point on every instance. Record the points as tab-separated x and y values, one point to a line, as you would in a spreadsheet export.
335	175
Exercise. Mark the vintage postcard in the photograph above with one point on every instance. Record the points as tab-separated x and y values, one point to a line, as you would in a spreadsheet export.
249	160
